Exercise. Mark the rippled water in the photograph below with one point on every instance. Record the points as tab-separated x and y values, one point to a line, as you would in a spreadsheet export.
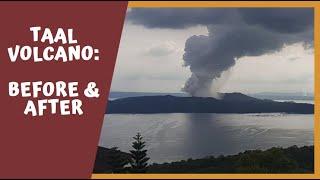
172	137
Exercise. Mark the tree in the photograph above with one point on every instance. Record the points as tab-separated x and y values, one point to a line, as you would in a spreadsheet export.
116	160
111	160
139	159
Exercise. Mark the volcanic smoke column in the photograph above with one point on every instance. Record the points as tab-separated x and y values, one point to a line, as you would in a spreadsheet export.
209	56
206	62
232	34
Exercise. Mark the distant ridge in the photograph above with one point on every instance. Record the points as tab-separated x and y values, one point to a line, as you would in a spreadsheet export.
120	94
264	95
229	103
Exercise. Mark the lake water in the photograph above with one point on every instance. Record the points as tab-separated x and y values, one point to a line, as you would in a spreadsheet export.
178	136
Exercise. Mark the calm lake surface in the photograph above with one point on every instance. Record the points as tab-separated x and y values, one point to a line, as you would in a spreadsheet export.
179	136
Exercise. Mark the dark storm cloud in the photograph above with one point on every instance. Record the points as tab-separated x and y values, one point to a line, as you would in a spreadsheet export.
290	20
233	33
286	20
178	18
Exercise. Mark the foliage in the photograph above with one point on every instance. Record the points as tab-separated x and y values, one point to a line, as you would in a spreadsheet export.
139	159
111	160
274	160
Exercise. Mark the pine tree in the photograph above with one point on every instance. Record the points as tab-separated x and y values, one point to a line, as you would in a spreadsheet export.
139	159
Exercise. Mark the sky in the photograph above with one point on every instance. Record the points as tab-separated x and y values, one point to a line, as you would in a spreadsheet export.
152	58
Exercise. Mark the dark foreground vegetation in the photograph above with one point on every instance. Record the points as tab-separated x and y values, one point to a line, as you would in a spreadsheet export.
275	160
115	161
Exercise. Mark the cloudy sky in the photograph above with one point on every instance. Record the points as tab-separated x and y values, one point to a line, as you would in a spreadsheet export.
268	53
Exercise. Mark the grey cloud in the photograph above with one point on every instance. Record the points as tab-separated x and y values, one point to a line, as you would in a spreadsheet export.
233	33
286	20
178	18
290	20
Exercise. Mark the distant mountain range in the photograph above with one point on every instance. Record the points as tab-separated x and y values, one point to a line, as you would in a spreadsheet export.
229	103
283	96
263	95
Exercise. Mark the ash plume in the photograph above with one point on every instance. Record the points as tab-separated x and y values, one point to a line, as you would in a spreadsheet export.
233	33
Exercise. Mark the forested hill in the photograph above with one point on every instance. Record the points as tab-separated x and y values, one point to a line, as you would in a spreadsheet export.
228	103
